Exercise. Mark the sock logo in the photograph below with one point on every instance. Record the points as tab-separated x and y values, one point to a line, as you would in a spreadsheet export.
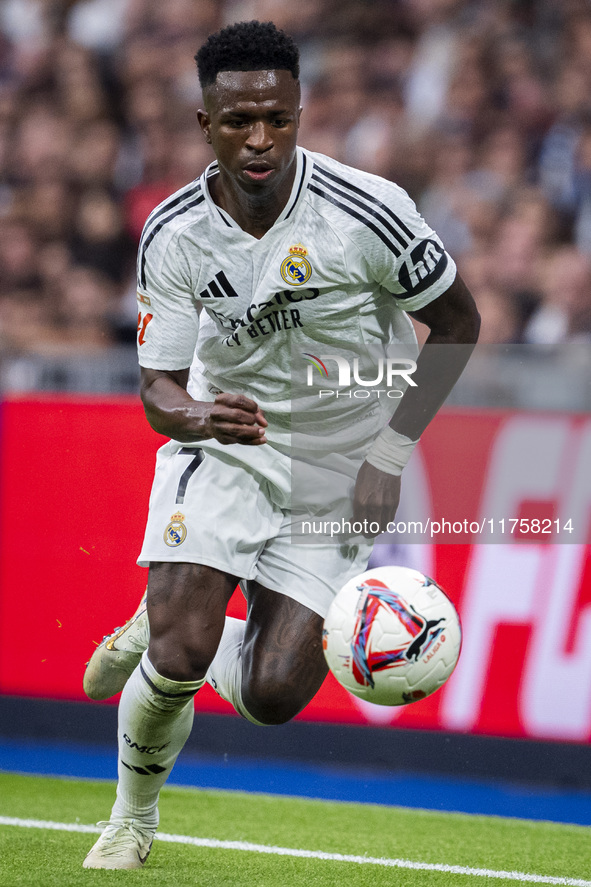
148	770
144	749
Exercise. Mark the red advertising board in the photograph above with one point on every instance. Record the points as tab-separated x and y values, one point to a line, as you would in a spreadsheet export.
504	501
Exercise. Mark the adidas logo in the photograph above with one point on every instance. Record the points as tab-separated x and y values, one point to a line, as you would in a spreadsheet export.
148	770
219	287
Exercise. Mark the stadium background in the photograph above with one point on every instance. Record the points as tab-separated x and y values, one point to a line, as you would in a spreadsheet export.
482	112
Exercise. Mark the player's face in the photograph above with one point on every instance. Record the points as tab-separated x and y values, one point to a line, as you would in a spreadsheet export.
252	121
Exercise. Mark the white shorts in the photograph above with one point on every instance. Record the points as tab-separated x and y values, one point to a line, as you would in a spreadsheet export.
212	510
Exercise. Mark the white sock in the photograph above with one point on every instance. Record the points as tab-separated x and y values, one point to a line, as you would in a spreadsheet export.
225	672
155	720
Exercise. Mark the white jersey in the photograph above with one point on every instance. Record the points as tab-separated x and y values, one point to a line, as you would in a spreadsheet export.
346	259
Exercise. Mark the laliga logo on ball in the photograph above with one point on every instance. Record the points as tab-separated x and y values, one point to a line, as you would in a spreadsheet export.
392	636
366	659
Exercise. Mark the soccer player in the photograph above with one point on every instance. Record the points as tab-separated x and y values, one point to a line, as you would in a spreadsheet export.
274	250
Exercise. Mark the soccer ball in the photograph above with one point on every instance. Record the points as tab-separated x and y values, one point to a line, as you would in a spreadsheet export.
392	636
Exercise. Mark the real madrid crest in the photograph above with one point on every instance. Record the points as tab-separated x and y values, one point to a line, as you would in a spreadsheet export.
296	268
176	532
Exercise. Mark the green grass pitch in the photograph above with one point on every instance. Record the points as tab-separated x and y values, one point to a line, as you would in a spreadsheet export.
481	850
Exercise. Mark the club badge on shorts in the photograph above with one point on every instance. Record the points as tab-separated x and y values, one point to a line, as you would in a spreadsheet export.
176	532
296	268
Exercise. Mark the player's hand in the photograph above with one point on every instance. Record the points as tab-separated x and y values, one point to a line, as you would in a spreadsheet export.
234	418
376	498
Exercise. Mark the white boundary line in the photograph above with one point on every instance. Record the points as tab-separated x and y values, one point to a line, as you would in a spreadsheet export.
523	877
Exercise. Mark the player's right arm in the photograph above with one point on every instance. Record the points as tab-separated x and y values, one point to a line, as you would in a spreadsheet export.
170	410
168	326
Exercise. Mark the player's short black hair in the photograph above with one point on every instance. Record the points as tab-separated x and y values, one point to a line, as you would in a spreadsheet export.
247	46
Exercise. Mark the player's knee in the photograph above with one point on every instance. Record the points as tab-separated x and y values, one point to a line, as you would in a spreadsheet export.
178	661
271	711
270	700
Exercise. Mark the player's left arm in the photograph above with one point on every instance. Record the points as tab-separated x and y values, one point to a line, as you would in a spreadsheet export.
454	323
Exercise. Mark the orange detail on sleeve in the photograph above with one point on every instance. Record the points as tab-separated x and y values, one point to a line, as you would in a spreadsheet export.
142	323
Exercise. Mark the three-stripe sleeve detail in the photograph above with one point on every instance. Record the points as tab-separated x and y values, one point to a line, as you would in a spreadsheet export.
364	207
169	211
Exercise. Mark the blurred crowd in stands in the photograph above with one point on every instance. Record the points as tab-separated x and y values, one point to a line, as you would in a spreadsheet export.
480	109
